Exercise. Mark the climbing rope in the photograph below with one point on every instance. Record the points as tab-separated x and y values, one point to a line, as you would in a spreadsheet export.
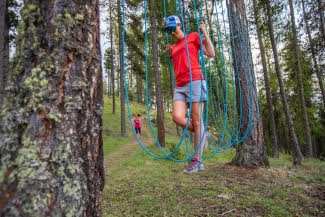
227	122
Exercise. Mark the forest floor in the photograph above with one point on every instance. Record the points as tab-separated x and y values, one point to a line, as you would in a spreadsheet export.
128	149
142	186
138	185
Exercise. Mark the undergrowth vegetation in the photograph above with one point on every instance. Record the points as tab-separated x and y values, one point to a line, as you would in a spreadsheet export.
142	186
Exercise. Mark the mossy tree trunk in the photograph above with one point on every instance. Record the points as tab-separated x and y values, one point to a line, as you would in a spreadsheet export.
50	129
251	152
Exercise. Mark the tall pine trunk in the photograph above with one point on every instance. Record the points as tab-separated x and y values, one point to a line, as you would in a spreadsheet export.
159	99
266	81
6	45
2	47
313	53
139	87
296	149
251	152
112	57
321	18
300	82
51	154
122	96
108	86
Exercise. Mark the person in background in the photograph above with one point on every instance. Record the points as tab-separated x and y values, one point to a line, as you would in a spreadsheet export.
181	98
137	124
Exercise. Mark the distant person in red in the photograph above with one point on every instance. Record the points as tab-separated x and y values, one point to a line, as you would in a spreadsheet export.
137	124
181	99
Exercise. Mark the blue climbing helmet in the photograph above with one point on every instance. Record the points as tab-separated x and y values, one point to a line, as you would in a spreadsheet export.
170	23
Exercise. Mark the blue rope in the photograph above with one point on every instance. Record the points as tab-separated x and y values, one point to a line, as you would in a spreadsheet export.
225	137
236	72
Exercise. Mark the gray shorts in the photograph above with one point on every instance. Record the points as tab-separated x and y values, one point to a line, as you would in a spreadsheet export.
183	93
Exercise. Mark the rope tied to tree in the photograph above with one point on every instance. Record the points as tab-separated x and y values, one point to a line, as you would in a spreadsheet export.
228	128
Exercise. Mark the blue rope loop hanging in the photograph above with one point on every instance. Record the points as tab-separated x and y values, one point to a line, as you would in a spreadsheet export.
227	122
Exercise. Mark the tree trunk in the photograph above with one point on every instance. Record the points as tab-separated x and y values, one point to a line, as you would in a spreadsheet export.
130	73
4	59
313	53
51	154
321	18
296	149
209	16
300	82
183	12
108	89
6	45
251	152
139	87
159	99
3	8
122	96
267	82
112	57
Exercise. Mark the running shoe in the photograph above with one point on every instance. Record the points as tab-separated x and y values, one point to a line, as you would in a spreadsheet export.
194	166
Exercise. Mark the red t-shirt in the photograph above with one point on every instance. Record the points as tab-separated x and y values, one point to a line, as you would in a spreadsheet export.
137	123
180	59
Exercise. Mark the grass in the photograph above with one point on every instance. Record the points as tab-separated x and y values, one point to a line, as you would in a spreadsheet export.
143	186
112	125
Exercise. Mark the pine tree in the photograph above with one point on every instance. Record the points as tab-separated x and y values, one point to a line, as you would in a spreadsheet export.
3	33
321	6
313	52
51	154
112	56
159	100
296	149
122	96
300	82
251	152
266	80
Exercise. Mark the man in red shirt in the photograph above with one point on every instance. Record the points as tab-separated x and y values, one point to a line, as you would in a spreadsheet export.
179	53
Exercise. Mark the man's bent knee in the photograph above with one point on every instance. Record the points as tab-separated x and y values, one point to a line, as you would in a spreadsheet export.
178	119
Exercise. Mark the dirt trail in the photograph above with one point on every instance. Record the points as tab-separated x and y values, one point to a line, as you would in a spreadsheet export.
129	149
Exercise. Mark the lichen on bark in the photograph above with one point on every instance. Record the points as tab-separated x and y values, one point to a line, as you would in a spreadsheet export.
51	159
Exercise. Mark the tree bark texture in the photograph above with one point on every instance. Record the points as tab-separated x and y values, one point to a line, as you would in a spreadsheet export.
159	99
251	152
112	57
122	95
6	45
51	154
296	149
300	82
3	8
139	88
266	81
313	54
321	18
